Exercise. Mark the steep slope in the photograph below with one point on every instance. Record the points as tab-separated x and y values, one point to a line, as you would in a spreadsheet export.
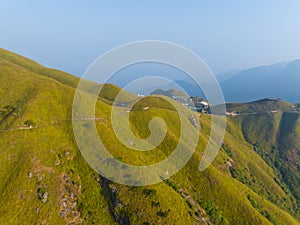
276	138
45	180
35	67
43	159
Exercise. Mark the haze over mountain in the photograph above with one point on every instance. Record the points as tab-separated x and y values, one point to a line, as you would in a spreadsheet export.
102	122
281	80
45	180
225	76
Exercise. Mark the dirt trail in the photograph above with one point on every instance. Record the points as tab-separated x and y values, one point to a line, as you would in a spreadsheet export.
54	122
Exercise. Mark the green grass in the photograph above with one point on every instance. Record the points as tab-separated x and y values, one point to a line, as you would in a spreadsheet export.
242	186
264	105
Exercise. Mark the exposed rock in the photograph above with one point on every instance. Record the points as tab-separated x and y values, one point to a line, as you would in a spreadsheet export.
62	213
42	194
45	197
107	186
68	201
65	177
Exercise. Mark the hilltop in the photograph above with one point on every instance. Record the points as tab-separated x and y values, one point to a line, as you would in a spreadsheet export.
45	179
274	132
262	105
170	93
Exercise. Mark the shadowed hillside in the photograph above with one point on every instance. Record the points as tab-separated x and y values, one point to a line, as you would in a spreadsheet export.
274	133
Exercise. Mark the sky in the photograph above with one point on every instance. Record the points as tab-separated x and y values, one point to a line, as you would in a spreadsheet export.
228	35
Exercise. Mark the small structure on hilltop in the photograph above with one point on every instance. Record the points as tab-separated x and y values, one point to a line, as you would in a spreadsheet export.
194	103
199	103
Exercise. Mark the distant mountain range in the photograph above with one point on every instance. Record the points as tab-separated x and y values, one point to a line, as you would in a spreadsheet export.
44	178
279	80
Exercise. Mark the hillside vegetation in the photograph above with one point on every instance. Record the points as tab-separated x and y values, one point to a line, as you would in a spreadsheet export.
45	180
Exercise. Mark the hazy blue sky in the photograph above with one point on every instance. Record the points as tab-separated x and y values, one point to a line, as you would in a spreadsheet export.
228	35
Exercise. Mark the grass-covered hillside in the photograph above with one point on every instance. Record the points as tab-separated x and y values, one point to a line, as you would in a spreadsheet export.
263	105
45	180
275	136
170	93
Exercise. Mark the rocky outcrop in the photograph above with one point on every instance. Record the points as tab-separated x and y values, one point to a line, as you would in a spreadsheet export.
68	200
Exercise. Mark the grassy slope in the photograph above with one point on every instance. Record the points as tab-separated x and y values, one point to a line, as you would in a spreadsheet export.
276	137
35	151
49	152
109	91
264	105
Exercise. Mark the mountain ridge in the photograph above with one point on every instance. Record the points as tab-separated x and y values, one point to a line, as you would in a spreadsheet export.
277	80
45	179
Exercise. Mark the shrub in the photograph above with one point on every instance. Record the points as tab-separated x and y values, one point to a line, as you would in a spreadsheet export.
29	123
214	214
149	192
163	214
